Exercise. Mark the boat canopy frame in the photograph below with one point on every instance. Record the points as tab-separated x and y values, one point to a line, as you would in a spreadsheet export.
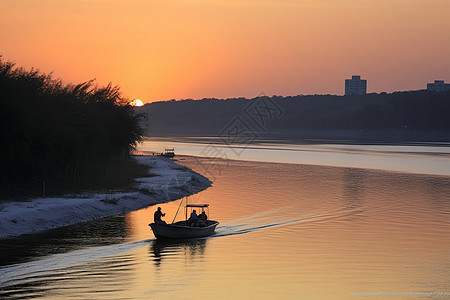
187	206
202	206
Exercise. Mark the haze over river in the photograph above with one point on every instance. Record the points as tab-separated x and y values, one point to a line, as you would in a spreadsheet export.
297	222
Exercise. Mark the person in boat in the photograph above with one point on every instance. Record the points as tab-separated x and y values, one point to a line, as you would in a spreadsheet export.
157	216
202	219
193	220
203	216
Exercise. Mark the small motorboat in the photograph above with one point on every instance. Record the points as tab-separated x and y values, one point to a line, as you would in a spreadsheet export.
186	229
169	153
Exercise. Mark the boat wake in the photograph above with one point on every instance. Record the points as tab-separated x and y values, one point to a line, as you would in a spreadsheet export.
29	272
267	219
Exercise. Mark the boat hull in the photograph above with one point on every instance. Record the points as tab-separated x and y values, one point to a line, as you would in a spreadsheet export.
180	230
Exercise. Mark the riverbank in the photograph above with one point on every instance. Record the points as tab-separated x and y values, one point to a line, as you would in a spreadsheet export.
166	181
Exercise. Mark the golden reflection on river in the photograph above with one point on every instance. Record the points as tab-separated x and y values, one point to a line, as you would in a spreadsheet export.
287	231
304	232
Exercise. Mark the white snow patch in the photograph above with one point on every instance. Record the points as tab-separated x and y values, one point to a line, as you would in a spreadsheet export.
167	181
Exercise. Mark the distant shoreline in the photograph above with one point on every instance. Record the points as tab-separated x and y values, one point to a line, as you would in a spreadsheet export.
398	118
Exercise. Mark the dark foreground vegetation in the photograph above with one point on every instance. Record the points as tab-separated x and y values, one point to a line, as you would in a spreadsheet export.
413	115
63	136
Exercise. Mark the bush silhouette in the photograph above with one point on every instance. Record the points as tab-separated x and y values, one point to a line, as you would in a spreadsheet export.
50	129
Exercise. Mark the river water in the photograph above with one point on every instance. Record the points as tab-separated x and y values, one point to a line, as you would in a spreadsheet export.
288	231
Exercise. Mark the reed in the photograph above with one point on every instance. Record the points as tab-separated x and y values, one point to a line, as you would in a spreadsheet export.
54	132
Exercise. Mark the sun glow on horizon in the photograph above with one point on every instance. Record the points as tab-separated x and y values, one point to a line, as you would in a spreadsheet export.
137	102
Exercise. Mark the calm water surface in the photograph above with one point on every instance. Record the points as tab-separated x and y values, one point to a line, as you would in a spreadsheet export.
422	159
288	231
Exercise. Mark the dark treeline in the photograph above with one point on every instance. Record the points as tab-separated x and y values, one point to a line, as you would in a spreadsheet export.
403	111
50	130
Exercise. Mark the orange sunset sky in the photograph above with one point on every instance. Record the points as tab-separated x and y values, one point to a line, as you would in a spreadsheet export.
177	49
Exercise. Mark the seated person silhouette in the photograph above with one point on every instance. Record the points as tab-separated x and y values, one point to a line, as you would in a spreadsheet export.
203	216
203	219
193	220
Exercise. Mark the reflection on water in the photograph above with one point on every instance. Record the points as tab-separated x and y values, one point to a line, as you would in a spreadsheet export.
288	231
354	186
423	159
161	249
110	230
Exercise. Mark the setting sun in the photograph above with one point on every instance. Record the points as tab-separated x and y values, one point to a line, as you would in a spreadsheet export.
137	102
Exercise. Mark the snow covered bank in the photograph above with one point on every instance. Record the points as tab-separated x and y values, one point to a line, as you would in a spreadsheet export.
167	181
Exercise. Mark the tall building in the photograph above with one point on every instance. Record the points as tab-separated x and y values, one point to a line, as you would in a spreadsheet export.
355	86
438	86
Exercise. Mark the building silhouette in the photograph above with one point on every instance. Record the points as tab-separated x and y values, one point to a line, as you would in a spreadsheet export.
355	86
438	86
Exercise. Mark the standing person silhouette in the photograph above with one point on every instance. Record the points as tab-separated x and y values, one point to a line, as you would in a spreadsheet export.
157	216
